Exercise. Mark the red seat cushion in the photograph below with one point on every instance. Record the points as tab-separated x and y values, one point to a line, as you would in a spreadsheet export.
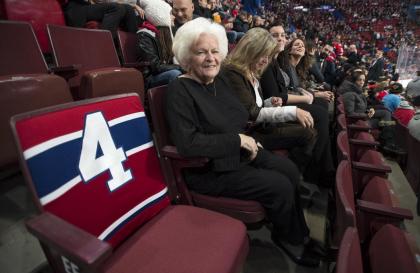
155	248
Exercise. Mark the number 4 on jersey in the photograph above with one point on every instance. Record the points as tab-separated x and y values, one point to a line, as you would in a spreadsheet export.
96	135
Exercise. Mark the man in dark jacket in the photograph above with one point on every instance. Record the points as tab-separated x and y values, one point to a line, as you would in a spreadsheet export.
353	57
159	71
376	69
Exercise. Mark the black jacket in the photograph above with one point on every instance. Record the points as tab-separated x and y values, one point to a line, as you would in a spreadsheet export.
149	50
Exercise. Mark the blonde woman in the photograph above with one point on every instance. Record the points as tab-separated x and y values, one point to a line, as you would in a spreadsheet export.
242	69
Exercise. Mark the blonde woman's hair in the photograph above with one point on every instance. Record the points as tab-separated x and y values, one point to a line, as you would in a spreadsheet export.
256	44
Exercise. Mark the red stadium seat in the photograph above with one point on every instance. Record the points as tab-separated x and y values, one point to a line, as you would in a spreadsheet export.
37	13
93	51
22	93
173	163
366	162
128	44
376	206
95	177
16	52
391	250
349	259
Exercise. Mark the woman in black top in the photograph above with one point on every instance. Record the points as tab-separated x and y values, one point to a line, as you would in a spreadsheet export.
206	120
275	82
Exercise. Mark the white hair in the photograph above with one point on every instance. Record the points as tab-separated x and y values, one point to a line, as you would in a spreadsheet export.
189	33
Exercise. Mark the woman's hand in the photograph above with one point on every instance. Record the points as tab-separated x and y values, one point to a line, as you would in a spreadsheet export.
276	101
308	97
371	112
249	144
304	118
327	95
139	10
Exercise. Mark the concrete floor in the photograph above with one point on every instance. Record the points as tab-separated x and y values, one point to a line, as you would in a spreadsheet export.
20	252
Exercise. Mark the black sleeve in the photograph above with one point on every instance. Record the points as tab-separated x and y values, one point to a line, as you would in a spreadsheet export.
271	85
186	130
316	72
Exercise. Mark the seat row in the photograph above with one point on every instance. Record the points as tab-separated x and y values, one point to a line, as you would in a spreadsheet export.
368	214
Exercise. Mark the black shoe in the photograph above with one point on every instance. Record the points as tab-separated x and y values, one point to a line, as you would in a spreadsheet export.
306	258
317	248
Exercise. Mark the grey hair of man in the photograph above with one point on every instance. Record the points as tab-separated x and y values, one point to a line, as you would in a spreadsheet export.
188	34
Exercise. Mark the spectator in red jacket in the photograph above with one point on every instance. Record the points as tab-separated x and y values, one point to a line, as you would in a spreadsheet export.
404	112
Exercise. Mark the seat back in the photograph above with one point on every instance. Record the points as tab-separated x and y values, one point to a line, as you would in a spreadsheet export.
38	14
343	151
156	100
341	122
87	48
128	45
19	50
345	204
93	164
349	258
19	94
393	250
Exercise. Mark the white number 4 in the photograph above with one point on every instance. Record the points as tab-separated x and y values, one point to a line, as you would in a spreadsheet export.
96	135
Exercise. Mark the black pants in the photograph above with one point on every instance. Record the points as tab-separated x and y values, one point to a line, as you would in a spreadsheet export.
299	141
111	16
322	162
269	179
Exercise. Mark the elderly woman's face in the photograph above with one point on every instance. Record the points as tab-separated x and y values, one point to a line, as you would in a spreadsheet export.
298	48
205	60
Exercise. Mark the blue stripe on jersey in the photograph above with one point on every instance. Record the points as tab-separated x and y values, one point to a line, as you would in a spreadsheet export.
122	224
58	165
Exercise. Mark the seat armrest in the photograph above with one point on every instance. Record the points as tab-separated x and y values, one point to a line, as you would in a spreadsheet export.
370	167
137	65
80	247
359	142
183	162
354	127
67	72
357	116
384	210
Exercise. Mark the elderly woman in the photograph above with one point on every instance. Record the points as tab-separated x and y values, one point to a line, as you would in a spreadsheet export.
242	69
275	82
205	119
